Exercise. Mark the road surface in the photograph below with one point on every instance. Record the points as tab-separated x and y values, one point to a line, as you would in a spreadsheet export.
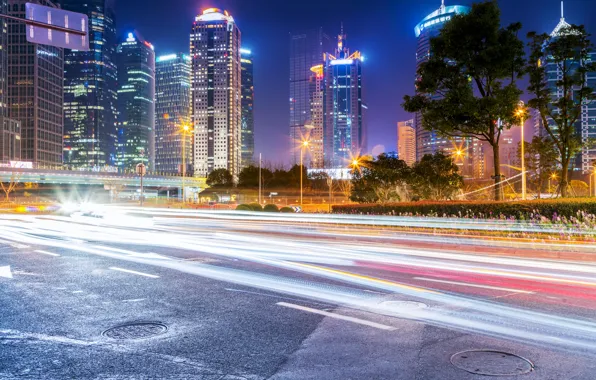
160	294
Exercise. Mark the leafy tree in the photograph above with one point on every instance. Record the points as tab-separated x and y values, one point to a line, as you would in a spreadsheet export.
249	177
220	178
568	51
541	160
293	176
318	181
436	177
468	84
384	179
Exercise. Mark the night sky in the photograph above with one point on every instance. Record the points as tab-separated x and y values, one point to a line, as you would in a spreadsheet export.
383	30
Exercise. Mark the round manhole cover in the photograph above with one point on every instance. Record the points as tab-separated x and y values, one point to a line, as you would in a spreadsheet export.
136	330
405	305
492	363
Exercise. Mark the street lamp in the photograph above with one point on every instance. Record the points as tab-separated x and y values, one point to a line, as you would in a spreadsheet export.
185	130
303	146
521	113
553	177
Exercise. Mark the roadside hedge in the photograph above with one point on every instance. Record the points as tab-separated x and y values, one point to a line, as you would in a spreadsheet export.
548	208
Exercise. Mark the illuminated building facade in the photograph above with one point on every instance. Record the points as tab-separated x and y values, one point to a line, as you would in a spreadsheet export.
35	91
90	90
406	141
586	124
135	59
429	142
172	108
248	118
216	93
343	128
306	51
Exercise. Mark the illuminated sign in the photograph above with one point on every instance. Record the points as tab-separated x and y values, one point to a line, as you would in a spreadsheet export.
131	38
245	51
341	62
440	16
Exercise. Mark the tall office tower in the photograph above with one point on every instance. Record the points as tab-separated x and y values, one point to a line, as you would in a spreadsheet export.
135	60
248	119
172	108
10	130
35	91
586	124
90	90
343	128
428	142
216	93
313	133
306	51
406	141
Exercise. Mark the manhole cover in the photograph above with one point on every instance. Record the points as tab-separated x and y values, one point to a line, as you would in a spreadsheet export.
492	363
405	305
136	330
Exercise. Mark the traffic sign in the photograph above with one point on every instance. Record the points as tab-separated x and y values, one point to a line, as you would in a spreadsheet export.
141	169
56	27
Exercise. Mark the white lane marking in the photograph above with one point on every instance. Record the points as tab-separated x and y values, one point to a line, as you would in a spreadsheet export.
274	296
5	272
46	252
77	291
474	285
134	300
134	272
337	316
14	334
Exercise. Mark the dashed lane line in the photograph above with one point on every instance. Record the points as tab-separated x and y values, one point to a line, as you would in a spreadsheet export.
134	272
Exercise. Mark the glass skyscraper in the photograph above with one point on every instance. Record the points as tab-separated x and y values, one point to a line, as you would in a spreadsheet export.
248	119
306	51
216	93
429	142
343	129
90	86
35	91
135	60
586	125
172	108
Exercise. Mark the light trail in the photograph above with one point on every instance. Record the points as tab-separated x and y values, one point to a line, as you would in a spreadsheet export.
330	271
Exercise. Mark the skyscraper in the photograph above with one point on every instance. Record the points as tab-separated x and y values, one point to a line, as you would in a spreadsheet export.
35	91
306	51
216	92
428	142
172	107
406	141
135	60
343	128
10	130
248	120
90	90
586	124
314	131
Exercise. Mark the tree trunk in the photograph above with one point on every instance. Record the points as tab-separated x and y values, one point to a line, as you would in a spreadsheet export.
564	184
497	165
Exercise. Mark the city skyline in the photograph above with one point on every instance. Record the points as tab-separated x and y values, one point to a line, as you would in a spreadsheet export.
265	32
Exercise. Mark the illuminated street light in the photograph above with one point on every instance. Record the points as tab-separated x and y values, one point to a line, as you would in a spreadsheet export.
185	129
521	113
303	146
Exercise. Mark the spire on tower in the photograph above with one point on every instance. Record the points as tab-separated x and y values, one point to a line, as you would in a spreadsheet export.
562	11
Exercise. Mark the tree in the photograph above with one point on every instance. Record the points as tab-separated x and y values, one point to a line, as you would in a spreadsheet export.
11	185
468	87
384	179
436	177
560	108
220	178
249	177
541	160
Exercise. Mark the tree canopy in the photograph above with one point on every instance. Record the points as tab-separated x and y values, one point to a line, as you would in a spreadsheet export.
220	178
436	177
467	88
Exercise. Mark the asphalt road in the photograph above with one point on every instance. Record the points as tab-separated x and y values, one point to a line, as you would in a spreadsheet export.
161	294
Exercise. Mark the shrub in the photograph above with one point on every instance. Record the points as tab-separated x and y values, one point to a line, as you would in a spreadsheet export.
549	208
256	207
243	207
270	208
287	210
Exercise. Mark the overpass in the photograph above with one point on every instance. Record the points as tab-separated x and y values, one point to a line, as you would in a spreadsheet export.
74	177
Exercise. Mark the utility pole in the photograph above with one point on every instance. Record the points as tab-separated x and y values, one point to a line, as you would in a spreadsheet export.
260	179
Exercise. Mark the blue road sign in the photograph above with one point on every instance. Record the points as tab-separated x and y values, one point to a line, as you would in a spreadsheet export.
62	28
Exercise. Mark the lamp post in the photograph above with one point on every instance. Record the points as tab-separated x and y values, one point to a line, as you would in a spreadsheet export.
185	129
521	112
553	177
303	146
